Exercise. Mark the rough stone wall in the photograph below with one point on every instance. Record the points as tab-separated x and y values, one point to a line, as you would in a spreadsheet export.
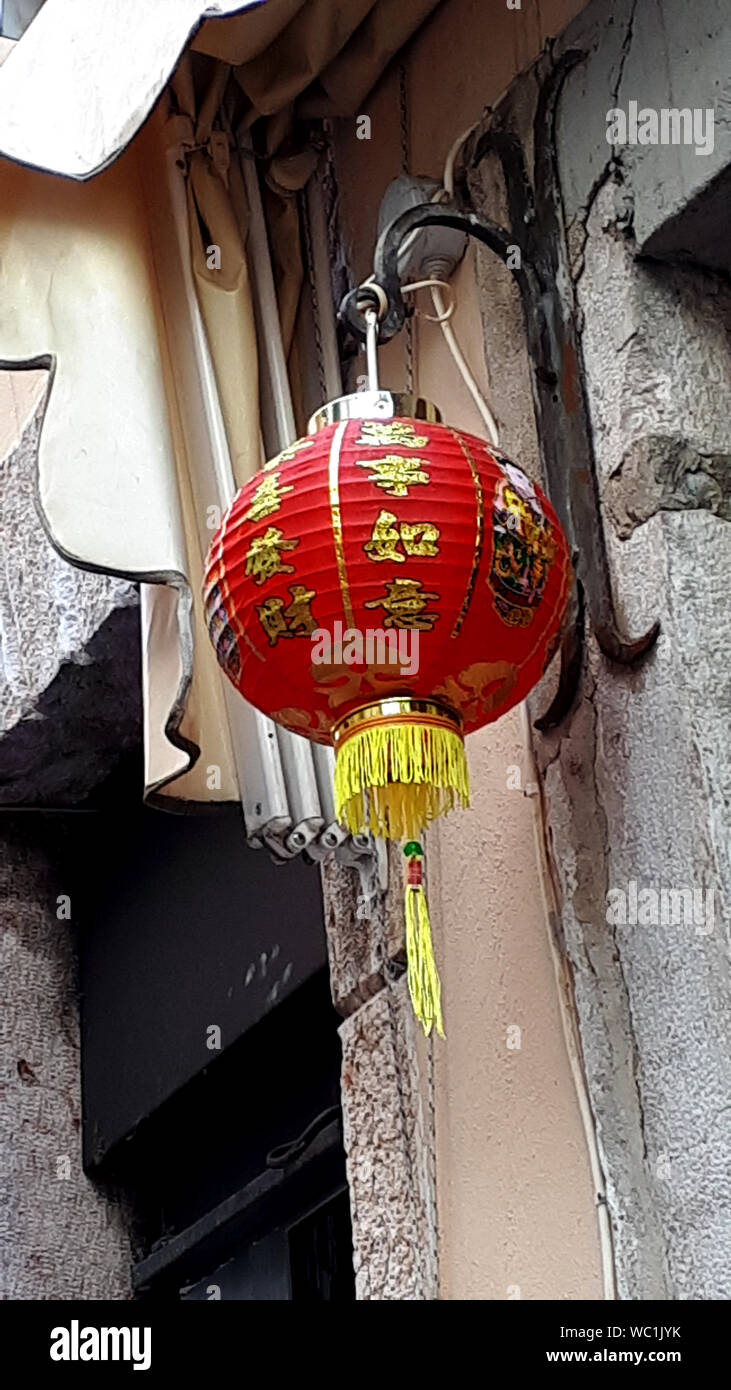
388	1140
637	781
69	640
69	706
60	1236
386	1094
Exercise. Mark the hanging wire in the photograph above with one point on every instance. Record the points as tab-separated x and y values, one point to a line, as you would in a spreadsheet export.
446	193
463	368
371	318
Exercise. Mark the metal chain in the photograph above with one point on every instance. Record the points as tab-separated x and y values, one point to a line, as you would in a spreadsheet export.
404	115
316	308
404	125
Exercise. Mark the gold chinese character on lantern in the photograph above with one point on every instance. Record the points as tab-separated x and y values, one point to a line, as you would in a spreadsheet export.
417	538
295	620
287	455
272	619
267	498
396	474
420	537
264	556
376	434
385	539
299	617
405	605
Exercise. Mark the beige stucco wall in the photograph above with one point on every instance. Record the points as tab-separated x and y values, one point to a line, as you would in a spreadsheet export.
515	1186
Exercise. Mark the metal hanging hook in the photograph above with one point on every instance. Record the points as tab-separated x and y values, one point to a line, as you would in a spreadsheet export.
371	345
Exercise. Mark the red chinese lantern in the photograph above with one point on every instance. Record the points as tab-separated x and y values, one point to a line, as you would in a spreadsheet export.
388	584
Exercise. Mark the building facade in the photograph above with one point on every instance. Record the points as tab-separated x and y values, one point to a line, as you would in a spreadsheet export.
260	1115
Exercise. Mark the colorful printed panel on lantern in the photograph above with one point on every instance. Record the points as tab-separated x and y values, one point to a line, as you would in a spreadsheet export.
222	635
382	559
524	549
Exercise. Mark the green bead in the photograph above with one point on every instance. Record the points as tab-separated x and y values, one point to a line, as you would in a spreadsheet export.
412	849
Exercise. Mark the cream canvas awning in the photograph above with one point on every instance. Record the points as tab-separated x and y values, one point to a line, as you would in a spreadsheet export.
85	75
86	269
78	85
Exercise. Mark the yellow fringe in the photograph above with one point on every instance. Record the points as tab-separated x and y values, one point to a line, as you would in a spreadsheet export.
395	780
422	975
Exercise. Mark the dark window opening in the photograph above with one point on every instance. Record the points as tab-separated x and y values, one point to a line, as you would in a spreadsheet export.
228	1143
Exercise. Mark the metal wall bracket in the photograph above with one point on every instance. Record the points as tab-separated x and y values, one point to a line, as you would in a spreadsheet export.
550	312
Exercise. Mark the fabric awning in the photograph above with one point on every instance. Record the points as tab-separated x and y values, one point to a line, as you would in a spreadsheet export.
83	78
82	268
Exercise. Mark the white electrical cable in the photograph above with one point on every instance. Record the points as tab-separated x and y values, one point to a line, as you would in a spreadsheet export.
442	313
448	176
570	1023
447	191
488	418
442	316
425	285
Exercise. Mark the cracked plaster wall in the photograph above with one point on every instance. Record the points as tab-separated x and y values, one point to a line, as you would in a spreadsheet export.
637	781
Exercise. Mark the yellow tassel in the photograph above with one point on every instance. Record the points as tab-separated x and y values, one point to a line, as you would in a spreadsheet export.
393	780
422	973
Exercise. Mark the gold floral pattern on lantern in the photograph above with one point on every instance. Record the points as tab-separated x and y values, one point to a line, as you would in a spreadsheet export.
344	683
479	532
479	689
314	725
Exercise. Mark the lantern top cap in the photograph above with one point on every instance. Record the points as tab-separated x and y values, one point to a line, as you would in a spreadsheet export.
373	405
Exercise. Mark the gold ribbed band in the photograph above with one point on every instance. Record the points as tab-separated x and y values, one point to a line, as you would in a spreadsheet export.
336	521
479	532
401	708
399	763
